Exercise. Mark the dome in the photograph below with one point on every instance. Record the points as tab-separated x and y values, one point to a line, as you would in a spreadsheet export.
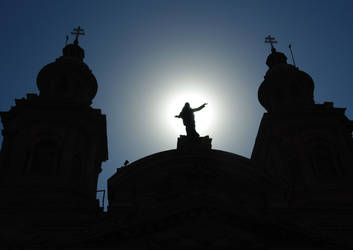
68	78
285	88
276	58
180	180
74	51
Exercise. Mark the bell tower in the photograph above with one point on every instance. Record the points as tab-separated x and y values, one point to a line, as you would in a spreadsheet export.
306	148
300	144
54	144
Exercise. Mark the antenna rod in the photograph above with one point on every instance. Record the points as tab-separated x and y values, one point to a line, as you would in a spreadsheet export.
290	48
67	38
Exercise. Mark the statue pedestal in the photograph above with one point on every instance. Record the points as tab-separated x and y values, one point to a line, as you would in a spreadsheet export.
193	144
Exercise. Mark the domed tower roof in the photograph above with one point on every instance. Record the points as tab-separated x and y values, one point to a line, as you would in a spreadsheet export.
181	181
68	79
73	50
285	88
276	58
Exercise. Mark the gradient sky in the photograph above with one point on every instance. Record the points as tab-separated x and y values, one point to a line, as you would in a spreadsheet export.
147	54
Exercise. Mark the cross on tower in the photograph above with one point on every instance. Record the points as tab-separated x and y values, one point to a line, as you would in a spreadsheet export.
271	40
77	31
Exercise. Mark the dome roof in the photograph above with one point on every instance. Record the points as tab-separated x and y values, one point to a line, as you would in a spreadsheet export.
174	177
68	78
276	58
285	88
74	50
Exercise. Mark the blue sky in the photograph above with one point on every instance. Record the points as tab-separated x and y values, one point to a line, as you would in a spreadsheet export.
145	53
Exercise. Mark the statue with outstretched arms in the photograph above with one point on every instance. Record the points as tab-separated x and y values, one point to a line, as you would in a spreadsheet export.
187	114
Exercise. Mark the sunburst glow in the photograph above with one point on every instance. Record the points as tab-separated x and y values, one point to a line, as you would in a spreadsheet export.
203	118
192	93
165	93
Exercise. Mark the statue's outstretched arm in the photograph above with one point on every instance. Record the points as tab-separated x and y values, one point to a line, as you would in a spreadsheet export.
179	116
199	108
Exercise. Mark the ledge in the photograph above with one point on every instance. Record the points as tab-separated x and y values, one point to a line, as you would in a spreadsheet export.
194	144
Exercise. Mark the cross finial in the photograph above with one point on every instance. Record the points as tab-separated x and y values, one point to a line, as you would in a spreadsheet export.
271	40
77	31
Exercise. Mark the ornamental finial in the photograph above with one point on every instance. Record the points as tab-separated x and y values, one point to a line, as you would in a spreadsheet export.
271	40
77	31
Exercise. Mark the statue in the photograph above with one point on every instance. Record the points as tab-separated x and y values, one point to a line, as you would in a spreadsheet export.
187	114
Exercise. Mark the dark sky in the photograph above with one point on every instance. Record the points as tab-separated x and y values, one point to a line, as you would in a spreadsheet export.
148	54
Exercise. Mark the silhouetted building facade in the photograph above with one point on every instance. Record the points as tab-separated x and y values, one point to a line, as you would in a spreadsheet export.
294	193
53	147
307	150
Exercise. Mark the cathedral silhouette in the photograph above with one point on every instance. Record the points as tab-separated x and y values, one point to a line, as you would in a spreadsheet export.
295	192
